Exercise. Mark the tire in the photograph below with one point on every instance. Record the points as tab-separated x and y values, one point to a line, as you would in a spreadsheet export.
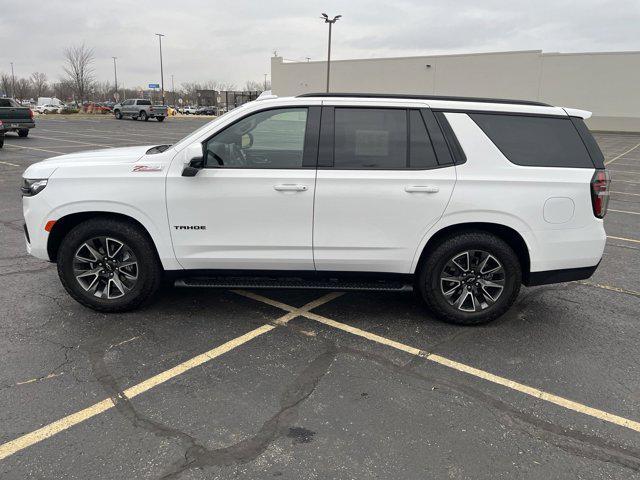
1	139
160	119
105	295
23	132
489	302
143	116
118	114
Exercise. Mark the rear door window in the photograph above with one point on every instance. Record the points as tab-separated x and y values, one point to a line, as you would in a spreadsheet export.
535	141
370	138
144	102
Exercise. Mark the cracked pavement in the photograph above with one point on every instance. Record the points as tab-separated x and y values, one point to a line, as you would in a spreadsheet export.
306	400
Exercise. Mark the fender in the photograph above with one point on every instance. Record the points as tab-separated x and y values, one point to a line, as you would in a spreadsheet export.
159	233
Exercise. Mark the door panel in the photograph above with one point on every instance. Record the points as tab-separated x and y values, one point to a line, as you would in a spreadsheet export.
367	221
249	223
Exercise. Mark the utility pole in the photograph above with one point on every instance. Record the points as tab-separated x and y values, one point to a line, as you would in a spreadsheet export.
173	91
13	83
265	81
160	35
115	77
330	21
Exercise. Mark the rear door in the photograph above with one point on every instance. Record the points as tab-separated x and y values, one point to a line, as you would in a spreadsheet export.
385	176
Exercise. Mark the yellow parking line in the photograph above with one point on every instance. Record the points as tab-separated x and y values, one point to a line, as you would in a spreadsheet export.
610	288
621	155
69	421
634	240
625	193
461	367
624	211
33	148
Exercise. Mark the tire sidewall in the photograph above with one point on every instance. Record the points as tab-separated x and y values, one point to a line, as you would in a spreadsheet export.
147	264
429	277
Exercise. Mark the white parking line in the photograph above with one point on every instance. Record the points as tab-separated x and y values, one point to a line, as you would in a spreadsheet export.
10	164
33	148
622	154
69	421
625	193
72	141
476	372
624	239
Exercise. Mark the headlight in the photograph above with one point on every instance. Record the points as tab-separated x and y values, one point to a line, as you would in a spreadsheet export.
31	187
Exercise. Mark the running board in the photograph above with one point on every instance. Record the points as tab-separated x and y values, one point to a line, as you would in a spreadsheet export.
293	283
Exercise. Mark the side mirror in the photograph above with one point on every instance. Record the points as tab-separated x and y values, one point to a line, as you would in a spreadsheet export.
196	160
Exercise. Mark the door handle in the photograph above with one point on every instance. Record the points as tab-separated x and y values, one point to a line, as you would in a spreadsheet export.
421	188
290	187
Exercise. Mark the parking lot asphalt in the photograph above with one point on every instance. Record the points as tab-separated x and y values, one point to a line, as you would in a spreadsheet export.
315	385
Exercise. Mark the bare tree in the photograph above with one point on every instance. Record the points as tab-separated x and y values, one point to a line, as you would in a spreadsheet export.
39	83
63	90
5	84
79	70
256	86
23	89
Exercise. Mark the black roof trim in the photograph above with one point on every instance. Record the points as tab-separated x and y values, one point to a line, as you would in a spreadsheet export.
428	97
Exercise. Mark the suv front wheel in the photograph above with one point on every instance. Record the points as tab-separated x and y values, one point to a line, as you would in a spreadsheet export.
109	265
471	278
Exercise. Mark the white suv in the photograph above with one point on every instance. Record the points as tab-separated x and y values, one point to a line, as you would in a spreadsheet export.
461	199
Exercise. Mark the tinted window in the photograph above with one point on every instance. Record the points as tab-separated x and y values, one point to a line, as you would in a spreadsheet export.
8	102
144	102
370	138
535	141
421	152
267	139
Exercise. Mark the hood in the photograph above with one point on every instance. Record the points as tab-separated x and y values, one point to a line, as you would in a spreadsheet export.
113	156
105	155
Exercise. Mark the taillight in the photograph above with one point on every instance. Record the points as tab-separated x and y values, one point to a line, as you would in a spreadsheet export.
600	192
31	114
151	109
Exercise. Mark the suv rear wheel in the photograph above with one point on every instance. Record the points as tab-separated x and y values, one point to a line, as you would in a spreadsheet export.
118	114
143	116
470	279
109	265
23	132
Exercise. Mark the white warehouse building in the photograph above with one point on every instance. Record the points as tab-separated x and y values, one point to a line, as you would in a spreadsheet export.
606	83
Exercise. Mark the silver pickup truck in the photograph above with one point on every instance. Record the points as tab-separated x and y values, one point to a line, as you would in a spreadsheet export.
140	109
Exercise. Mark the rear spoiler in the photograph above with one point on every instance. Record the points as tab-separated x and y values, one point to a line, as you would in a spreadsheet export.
574	112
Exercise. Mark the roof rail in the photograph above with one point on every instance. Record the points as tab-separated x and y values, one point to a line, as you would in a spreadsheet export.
428	97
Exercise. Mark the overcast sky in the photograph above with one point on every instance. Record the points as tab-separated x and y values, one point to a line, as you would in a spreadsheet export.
232	41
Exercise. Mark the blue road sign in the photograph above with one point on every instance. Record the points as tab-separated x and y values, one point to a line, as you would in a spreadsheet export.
154	85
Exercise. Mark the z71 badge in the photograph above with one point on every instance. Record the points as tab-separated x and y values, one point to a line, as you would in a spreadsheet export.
147	168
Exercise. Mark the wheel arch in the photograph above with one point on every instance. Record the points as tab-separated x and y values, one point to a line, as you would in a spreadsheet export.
508	234
66	223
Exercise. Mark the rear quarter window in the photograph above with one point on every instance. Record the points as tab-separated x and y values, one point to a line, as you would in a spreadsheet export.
144	102
536	141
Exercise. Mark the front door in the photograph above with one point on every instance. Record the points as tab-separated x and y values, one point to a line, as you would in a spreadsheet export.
251	207
383	181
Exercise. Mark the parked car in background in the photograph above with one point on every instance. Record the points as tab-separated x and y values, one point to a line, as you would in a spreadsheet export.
15	117
48	108
190	110
1	135
139	109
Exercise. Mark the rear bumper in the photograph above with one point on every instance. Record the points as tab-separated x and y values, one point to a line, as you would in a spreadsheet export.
559	276
13	125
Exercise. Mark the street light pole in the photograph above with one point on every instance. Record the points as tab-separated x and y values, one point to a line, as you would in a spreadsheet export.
330	21
13	83
115	76
265	82
160	35
173	91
